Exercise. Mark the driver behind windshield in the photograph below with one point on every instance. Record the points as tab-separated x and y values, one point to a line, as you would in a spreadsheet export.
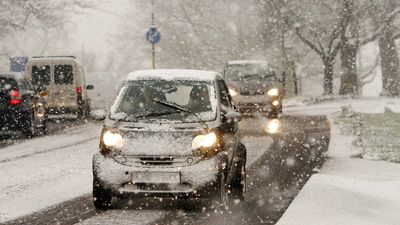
199	99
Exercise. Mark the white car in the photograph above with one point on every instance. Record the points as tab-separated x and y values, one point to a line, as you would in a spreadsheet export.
170	133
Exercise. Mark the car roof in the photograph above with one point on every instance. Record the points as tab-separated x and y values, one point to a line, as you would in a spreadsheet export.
247	62
13	75
174	74
41	59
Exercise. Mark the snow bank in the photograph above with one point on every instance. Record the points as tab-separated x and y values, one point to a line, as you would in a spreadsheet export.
348	190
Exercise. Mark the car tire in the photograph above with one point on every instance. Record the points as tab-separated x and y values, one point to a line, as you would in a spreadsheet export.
238	185
28	128
83	111
101	196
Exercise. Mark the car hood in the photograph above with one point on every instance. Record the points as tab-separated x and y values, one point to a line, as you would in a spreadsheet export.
158	140
251	87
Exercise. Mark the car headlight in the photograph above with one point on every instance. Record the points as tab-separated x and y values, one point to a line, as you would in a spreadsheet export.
113	139
273	92
273	126
205	141
232	92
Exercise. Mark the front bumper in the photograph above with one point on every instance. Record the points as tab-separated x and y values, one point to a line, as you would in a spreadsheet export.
199	180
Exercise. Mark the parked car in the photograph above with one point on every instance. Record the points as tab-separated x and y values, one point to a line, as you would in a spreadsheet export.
170	133
254	87
21	109
62	80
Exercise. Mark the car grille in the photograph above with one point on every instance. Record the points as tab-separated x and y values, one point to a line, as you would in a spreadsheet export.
247	92
156	161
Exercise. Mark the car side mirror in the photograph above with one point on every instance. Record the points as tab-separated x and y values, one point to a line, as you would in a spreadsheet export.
98	114
89	87
233	115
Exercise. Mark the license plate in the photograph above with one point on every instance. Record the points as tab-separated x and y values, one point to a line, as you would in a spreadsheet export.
156	177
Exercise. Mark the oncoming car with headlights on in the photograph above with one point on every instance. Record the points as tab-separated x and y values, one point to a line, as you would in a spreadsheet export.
170	133
254	87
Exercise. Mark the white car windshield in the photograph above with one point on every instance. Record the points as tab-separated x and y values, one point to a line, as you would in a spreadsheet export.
169	101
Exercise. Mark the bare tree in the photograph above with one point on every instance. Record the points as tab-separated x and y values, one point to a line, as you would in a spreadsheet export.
383	14
319	25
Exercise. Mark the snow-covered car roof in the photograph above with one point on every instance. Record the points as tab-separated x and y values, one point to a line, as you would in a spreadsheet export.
247	62
15	75
174	74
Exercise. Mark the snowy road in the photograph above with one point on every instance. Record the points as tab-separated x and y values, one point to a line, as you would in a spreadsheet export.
44	171
49	178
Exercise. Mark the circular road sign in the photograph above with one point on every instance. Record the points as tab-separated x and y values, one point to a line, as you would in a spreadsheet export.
153	35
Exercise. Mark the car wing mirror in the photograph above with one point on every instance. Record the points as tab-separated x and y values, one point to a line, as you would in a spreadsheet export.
233	115
98	114
89	87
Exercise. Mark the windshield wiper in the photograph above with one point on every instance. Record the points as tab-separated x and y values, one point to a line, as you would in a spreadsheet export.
254	75
172	105
154	113
180	108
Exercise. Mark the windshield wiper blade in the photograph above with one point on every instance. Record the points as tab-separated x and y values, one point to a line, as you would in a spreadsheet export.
172	105
254	75
154	113
180	108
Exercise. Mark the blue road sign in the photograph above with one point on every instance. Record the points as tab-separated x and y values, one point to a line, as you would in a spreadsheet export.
17	64
153	35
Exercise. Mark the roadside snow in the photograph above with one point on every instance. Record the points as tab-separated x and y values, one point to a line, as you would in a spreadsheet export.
44	171
347	190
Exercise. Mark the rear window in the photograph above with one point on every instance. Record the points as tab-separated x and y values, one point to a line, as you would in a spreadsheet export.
7	84
41	75
63	74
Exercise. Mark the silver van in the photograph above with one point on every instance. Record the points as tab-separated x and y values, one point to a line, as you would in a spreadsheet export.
61	80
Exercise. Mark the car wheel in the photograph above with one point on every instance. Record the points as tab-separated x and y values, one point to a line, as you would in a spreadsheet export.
83	111
28	127
238	186
101	196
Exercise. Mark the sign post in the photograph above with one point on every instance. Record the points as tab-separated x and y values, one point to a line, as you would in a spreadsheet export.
153	36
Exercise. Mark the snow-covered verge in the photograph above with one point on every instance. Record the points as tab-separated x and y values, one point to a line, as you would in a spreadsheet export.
380	136
48	170
347	190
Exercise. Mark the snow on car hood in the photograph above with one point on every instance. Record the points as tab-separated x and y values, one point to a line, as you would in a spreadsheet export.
157	143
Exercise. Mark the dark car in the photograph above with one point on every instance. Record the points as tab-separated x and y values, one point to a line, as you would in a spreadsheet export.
254	87
21	109
170	133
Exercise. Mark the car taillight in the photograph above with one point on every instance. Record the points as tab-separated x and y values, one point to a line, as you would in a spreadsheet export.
79	90
15	97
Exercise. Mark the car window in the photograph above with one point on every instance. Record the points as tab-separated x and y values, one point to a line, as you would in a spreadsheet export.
63	74
41	75
224	96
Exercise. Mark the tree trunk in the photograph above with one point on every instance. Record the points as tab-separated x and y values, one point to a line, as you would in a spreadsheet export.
348	81
390	63
348	53
328	76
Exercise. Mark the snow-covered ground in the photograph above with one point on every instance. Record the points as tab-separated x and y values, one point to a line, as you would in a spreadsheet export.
347	190
44	171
